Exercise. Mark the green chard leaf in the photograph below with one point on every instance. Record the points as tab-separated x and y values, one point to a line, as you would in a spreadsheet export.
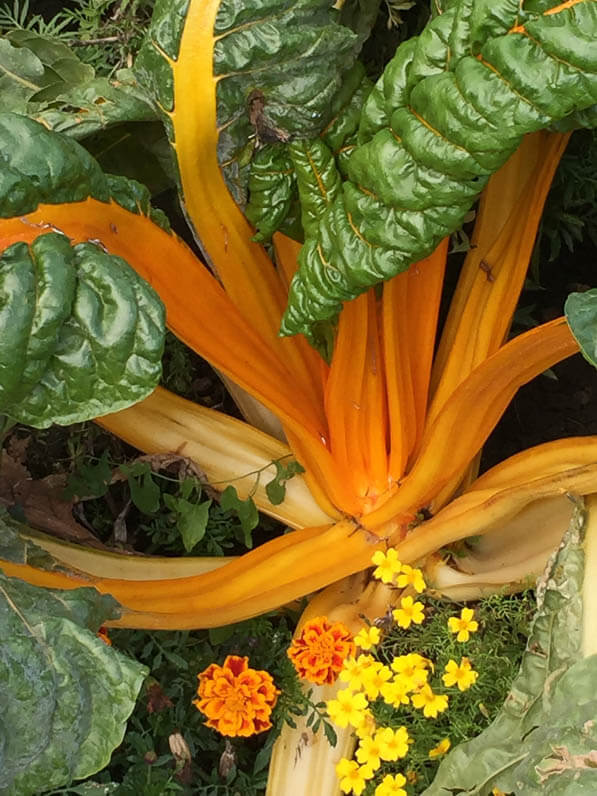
44	79
544	738
581	314
18	549
272	189
450	108
81	334
65	696
278	67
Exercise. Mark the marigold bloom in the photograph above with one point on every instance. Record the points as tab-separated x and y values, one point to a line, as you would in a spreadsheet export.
391	785
464	624
347	708
237	700
463	675
352	776
411	577
440	749
413	668
103	634
319	652
431	703
369	752
395	692
367	726
387	565
393	743
374	680
354	670
408	612
367	637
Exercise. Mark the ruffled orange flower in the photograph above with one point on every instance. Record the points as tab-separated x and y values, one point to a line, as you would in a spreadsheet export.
320	650
103	634
237	700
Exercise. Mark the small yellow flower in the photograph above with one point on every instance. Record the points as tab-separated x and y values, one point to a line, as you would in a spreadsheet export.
375	679
367	637
464	624
461	675
387	565
395	692
354	669
431	703
393	743
411	577
367	726
369	752
347	708
352	776
391	786
408	612
413	668
440	749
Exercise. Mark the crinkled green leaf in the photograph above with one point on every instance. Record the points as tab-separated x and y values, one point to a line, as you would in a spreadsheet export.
318	179
81	334
44	79
18	549
65	696
450	108
272	188
544	738
581	314
279	66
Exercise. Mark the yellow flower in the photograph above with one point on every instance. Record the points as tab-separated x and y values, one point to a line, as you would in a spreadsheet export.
411	577
367	726
354	670
374	680
461	675
431	703
392	743
395	692
498	792
367	637
408	612
440	749
387	565
464	624
347	708
369	752
413	668
391	786
352	776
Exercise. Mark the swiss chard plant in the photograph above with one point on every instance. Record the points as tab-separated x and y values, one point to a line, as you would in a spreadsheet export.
322	205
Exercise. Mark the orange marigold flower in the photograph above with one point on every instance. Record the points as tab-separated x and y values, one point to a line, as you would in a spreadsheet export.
237	700
318	653
103	634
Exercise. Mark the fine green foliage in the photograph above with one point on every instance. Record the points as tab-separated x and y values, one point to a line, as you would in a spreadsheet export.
65	695
581	314
543	739
82	334
450	108
494	652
